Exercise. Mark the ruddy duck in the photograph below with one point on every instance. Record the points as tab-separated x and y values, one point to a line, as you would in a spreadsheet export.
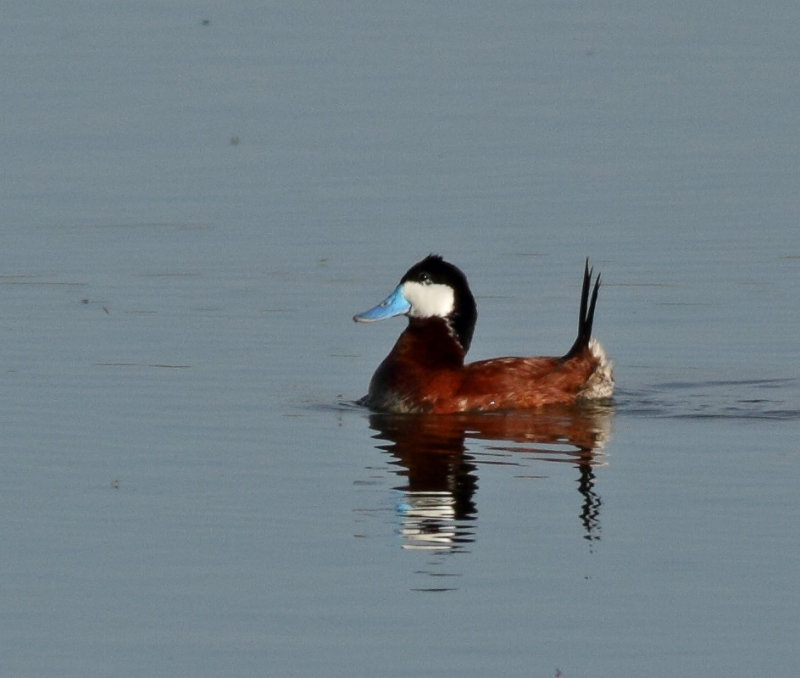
425	371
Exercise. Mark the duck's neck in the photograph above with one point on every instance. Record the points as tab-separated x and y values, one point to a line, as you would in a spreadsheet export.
429	341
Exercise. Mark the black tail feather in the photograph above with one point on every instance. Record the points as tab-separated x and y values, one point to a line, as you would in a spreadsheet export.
586	317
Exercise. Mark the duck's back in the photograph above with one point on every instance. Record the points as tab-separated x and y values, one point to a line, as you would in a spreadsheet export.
525	383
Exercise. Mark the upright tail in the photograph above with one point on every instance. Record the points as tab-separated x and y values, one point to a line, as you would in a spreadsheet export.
586	317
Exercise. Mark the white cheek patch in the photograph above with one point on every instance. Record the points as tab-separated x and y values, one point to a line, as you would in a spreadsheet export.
429	301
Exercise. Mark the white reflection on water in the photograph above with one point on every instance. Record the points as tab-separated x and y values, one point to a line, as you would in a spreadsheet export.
429	521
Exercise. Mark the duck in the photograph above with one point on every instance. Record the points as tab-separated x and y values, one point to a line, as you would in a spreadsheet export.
425	372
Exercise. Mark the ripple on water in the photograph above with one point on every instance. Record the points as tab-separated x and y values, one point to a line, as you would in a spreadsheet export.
769	399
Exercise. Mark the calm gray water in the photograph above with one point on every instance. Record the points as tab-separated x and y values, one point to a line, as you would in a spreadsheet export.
195	201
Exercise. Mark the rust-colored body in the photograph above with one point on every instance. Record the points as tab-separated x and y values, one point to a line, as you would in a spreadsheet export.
425	372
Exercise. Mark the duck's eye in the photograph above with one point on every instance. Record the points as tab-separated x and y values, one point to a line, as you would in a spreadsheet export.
425	278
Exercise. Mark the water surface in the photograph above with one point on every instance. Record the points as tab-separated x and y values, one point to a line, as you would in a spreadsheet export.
197	199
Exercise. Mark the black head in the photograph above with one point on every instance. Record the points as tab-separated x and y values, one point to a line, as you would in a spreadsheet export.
435	288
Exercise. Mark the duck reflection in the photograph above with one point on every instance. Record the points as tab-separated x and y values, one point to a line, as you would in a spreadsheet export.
438	508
